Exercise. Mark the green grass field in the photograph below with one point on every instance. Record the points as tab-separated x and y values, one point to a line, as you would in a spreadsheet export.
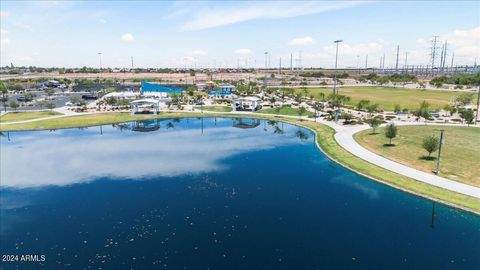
460	153
387	97
285	111
21	116
215	108
324	136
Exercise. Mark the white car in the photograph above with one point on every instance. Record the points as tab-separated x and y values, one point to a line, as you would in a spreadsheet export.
69	104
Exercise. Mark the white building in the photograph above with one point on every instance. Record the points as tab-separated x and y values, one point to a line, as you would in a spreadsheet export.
246	104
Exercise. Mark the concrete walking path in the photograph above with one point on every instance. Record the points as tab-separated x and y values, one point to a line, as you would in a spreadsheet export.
344	137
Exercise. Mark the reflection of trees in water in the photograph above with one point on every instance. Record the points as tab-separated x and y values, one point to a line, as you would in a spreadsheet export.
170	125
142	126
271	123
122	126
302	135
278	130
176	120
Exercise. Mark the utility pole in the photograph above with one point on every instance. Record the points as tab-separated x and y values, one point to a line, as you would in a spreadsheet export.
444	54
280	66
335	92
396	63
300	66
291	61
366	61
441	57
405	64
437	170
453	55
269	60
266	56
132	62
380	65
383	61
478	103
434	52
100	56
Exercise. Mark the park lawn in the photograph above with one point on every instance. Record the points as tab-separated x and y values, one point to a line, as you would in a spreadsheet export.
285	111
22	116
388	97
215	108
325	140
460	153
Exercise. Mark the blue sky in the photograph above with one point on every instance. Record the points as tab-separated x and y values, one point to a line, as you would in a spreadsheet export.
208	34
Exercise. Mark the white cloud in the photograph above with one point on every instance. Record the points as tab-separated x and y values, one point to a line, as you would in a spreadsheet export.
463	37
3	14
24	26
301	41
103	21
203	17
3	31
243	51
199	52
464	43
127	37
359	49
5	41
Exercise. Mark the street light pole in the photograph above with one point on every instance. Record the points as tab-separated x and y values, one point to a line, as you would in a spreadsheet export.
437	170
100	56
335	93
478	103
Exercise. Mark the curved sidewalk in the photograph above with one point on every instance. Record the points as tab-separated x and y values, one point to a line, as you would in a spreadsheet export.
344	137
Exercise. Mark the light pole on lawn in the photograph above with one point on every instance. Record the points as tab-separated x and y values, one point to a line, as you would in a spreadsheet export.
442	141
335	92
100	56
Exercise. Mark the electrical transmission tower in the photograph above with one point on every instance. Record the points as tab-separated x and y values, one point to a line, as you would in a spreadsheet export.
433	52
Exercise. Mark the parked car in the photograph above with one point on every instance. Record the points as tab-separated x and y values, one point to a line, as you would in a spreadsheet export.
89	96
21	98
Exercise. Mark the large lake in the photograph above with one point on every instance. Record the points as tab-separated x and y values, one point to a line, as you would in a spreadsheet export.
214	193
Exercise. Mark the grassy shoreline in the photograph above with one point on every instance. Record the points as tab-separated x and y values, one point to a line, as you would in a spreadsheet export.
27	115
324	140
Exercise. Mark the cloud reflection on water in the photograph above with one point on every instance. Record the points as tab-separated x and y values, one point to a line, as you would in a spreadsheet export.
38	159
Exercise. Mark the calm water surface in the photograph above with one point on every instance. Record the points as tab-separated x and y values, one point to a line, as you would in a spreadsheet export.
212	194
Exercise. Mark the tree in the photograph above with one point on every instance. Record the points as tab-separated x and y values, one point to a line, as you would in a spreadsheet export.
423	111
321	95
374	122
75	100
397	108
363	104
464	99
50	106
430	144
391	132
317	106
301	111
372	108
13	104
347	117
468	116
50	91
4	93
450	109
277	109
